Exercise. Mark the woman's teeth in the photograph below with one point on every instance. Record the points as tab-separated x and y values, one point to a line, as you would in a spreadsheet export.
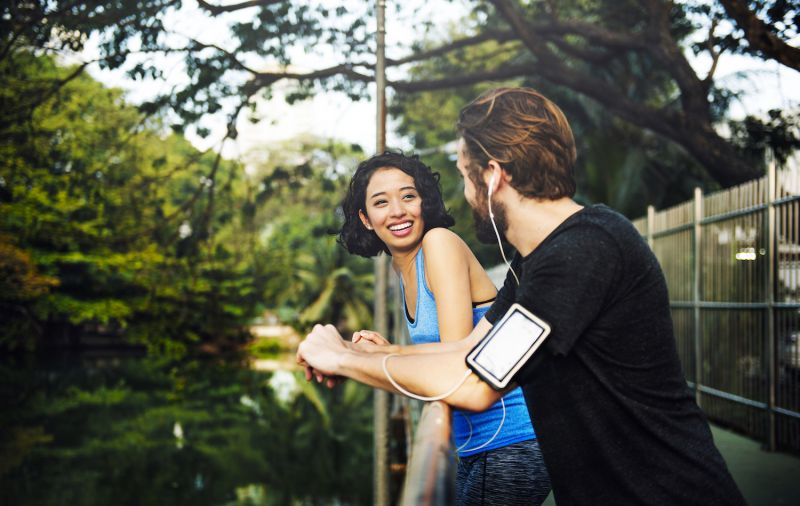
401	226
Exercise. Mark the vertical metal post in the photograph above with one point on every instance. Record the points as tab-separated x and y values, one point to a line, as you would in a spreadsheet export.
771	247
380	457
380	78
696	278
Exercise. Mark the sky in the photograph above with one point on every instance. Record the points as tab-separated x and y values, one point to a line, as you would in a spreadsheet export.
333	115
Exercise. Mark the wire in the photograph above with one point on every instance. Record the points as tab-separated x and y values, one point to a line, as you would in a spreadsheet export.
499	241
466	417
443	396
419	397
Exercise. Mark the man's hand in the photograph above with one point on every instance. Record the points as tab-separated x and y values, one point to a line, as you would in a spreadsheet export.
320	353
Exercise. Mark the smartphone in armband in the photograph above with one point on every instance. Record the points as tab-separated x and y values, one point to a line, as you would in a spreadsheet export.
507	346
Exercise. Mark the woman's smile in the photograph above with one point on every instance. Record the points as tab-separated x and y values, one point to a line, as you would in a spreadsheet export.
401	229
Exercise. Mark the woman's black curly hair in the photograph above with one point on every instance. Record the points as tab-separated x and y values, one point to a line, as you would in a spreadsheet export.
354	236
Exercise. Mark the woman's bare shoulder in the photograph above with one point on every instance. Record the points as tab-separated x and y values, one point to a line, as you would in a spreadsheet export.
440	237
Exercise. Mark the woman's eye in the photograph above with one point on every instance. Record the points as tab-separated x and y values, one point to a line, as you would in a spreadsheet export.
378	202
410	196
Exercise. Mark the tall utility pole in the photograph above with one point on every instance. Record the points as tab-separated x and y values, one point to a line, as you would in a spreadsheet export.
380	462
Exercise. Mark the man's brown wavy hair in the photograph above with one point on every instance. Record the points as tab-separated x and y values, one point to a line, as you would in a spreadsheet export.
527	135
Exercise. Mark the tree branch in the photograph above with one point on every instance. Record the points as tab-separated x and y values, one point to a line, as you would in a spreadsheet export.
262	79
216	10
760	36
591	32
232	57
663	47
502	73
496	35
714	54
690	127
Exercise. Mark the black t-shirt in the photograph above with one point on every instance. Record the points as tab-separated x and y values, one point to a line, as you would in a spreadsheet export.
615	419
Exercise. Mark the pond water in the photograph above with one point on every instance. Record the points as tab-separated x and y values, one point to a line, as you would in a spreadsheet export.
142	431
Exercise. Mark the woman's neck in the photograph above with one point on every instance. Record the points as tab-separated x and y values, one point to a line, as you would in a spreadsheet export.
403	261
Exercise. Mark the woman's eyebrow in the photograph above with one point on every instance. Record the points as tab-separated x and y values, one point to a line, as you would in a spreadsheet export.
401	189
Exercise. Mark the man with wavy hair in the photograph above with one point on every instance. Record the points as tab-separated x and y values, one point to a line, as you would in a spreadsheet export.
616	421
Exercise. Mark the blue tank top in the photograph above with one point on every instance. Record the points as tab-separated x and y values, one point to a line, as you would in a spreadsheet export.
482	426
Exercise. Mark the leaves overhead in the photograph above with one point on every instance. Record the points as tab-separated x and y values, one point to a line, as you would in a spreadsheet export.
626	56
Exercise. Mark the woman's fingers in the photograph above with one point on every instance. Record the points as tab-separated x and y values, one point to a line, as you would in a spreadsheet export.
374	337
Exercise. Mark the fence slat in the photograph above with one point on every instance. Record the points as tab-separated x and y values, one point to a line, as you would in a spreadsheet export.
732	264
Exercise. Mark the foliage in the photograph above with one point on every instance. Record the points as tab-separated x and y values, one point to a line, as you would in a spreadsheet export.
120	229
626	57
299	194
155	431
117	228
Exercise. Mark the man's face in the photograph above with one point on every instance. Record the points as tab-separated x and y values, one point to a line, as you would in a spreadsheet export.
476	195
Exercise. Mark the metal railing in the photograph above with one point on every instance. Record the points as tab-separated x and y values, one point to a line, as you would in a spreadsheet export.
732	264
430	475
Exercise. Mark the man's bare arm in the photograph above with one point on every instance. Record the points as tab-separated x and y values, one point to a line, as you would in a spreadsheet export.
472	339
427	374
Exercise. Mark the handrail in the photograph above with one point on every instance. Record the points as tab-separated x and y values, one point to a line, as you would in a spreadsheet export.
430	476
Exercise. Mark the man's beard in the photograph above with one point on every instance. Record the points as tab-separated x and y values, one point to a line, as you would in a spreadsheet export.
483	225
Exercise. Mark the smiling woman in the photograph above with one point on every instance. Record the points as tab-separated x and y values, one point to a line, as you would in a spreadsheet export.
394	209
394	204
355	236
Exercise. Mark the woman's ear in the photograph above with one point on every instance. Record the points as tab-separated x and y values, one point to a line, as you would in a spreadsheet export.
364	219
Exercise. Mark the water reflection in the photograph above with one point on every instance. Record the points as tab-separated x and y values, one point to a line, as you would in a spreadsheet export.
145	431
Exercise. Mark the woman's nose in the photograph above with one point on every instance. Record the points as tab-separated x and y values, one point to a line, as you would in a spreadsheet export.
396	208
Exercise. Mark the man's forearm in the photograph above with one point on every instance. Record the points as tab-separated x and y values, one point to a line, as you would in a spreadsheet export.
467	343
424	374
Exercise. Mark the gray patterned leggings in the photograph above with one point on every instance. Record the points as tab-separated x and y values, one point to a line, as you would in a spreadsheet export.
508	476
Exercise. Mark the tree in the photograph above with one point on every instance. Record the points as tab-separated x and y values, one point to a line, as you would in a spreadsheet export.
156	431
105	229
628	57
768	38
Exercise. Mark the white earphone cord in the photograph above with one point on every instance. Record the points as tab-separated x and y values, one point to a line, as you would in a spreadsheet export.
419	397
443	396
497	234
466	417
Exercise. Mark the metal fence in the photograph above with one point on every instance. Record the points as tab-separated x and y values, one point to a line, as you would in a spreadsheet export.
732	264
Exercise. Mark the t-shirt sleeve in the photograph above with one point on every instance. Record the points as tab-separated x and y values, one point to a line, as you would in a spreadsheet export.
506	295
569	284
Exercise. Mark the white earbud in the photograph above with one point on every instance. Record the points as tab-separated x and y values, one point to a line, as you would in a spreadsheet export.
489	195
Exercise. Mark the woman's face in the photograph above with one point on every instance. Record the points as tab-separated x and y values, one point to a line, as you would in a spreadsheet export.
394	209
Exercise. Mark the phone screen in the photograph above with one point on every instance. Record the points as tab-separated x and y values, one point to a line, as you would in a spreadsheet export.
508	345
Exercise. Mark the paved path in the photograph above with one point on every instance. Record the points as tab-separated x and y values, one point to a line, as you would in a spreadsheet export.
766	479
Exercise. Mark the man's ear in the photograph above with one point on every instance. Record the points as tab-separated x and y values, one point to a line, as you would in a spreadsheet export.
494	173
364	219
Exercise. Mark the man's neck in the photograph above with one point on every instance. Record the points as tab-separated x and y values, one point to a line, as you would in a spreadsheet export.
530	221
